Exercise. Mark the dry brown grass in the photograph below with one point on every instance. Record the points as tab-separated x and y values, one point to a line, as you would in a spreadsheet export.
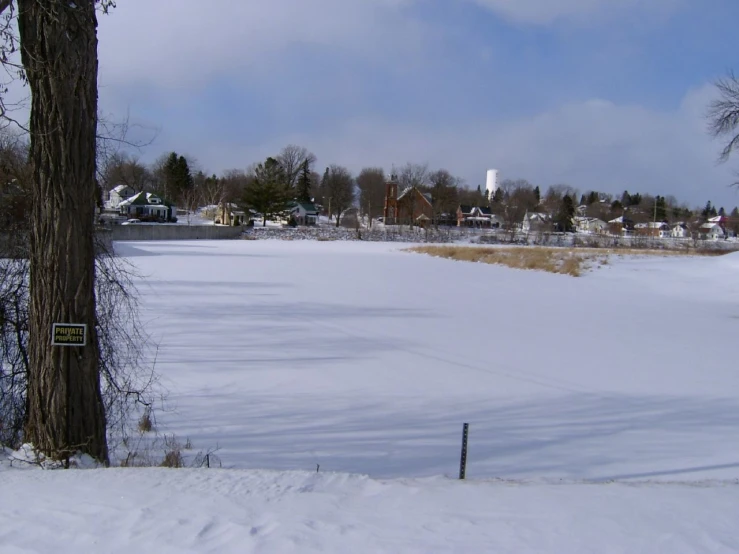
146	425
565	261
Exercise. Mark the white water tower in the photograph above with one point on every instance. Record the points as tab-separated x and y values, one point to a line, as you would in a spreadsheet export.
491	184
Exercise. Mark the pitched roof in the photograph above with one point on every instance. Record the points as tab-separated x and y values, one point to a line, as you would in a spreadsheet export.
536	216
425	195
145	199
308	207
652	225
119	188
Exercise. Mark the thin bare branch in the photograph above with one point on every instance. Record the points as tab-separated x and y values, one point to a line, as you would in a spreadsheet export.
723	114
4	5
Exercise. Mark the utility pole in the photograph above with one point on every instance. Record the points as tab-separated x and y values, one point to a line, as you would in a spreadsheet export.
655	208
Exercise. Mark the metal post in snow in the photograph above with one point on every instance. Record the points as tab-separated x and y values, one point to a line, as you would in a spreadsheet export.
463	461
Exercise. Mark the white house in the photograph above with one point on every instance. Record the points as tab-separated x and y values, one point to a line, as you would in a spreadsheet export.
118	194
590	225
478	217
711	231
487	218
305	213
146	205
534	221
680	231
657	229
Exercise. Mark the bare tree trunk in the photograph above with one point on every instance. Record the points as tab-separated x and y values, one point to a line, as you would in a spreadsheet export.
59	54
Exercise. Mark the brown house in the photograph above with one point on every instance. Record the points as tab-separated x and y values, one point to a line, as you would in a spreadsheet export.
412	206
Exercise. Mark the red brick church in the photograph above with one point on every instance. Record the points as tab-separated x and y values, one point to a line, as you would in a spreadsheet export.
411	206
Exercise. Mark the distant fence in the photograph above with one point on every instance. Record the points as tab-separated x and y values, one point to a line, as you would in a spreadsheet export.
384	234
137	232
485	236
575	240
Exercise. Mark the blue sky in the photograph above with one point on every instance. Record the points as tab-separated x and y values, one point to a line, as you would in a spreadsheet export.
599	94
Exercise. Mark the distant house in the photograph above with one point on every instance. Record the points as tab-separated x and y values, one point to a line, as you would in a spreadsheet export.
464	213
231	214
622	226
591	225
305	213
477	217
656	229
118	194
535	221
711	231
148	206
488	218
680	230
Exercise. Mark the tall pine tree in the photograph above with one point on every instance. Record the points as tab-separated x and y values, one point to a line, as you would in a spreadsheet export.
660	208
177	177
304	183
268	191
563	219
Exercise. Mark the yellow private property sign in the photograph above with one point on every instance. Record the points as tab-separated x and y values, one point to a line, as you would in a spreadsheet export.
69	334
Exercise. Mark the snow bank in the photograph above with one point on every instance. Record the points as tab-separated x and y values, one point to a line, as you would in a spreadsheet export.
223	511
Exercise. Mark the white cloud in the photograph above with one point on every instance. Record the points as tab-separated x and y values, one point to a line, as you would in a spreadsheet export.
549	11
590	145
178	43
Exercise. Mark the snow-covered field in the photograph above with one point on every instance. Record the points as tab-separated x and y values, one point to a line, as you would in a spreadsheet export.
368	360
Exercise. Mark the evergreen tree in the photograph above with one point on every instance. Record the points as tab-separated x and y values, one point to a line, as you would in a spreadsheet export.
170	172
304	182
734	221
184	181
325	192
498	196
563	219
268	191
583	200
177	177
626	199
592	198
706	213
635	199
722	212
537	194
660	208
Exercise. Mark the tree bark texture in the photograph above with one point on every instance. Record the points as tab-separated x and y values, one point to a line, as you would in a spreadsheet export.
59	54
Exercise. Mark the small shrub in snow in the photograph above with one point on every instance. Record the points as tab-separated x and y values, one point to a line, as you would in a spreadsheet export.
145	423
